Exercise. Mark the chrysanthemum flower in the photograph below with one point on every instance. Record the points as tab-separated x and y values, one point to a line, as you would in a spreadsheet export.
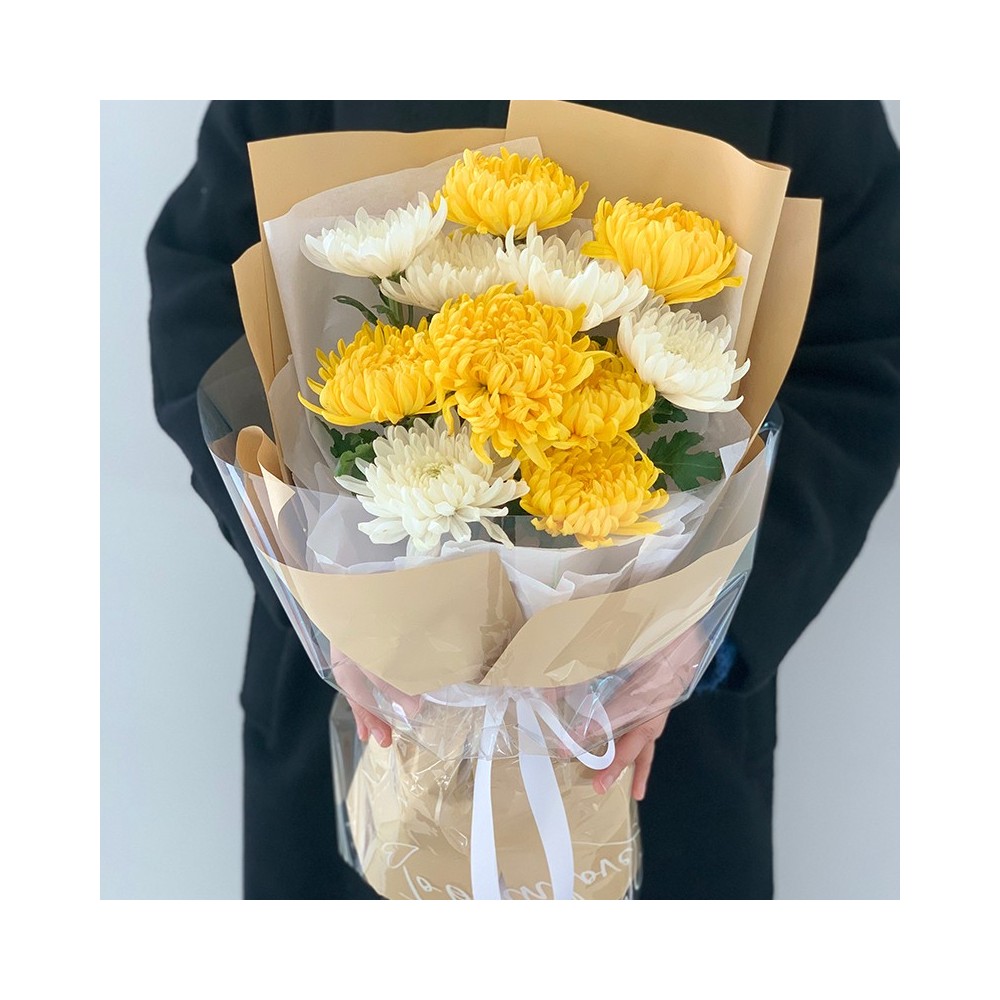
683	356
506	362
426	483
560	274
608	404
682	256
491	194
595	492
449	266
378	377
378	247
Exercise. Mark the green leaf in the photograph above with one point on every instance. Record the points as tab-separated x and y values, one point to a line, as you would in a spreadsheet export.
348	448
360	306
345	464
675	459
358	439
645	424
661	412
665	412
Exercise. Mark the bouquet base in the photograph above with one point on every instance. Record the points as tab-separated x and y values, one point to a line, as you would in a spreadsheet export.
404	818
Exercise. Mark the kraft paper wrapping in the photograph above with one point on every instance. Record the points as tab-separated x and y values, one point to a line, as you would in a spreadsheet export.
411	814
419	629
781	311
422	629
457	620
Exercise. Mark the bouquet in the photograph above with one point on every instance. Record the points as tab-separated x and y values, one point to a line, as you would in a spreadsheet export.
498	443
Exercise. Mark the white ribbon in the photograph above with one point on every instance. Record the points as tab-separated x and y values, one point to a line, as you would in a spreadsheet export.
538	776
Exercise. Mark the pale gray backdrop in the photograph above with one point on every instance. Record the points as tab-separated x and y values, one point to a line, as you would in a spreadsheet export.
175	613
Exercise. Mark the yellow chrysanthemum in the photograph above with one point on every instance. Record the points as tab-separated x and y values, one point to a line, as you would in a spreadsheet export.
379	377
494	193
506	362
595	492
608	404
681	255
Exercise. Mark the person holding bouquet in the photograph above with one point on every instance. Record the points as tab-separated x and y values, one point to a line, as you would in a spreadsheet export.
706	800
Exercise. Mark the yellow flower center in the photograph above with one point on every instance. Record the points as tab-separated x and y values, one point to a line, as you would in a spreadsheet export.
594	492
681	255
378	377
493	193
506	363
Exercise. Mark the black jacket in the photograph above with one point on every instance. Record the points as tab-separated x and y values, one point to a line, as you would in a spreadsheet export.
837	460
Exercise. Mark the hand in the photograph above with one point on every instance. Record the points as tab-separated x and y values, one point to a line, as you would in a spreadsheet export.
660	682
635	747
369	724
357	685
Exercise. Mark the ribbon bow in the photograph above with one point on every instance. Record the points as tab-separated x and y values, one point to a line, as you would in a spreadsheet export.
538	776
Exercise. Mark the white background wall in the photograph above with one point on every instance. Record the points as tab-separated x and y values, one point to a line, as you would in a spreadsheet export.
173	639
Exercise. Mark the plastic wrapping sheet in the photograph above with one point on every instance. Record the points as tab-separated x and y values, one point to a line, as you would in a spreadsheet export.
506	674
441	647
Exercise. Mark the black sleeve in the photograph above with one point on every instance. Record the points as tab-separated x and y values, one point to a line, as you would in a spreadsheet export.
839	450
207	223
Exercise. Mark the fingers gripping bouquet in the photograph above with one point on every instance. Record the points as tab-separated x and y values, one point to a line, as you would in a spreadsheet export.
499	450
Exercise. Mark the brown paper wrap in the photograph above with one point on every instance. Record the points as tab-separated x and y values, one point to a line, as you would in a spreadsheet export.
418	629
411	816
457	620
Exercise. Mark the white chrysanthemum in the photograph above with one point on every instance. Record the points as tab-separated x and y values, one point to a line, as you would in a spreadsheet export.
379	248
560	275
426	483
449	266
683	356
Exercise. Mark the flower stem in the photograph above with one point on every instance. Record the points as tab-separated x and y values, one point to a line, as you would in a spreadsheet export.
393	309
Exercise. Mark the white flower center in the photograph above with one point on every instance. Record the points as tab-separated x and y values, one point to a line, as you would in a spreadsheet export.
430	471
